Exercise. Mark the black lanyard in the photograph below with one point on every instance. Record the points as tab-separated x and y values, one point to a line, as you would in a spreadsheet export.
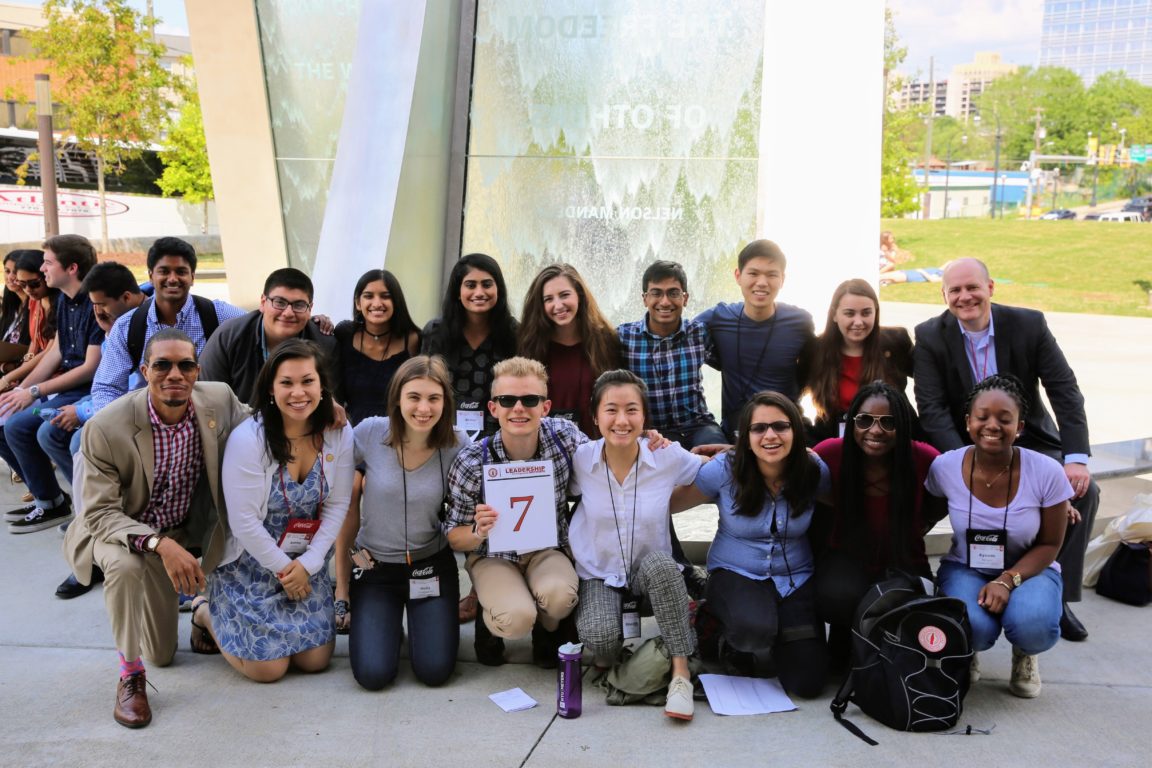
1007	494
632	533
760	359
404	483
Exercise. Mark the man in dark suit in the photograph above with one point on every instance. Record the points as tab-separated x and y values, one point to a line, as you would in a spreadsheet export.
976	338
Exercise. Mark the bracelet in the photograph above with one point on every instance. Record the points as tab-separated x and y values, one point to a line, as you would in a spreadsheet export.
476	531
997	581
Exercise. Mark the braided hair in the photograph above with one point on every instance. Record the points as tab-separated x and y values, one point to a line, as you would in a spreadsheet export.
902	484
1002	382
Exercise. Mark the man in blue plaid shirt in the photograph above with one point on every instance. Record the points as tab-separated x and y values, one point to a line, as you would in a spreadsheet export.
519	592
667	352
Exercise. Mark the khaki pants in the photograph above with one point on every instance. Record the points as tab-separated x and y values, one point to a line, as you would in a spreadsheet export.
543	585
141	601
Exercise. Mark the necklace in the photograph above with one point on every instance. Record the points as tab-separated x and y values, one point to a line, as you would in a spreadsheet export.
999	475
376	337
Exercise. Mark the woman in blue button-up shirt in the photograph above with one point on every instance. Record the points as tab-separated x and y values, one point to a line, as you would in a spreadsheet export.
760	563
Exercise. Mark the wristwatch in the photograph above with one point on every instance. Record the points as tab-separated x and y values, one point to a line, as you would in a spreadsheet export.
34	390
151	543
1016	579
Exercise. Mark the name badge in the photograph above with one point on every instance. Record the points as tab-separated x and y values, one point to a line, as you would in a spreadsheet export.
298	535
630	617
986	548
470	420
568	415
419	589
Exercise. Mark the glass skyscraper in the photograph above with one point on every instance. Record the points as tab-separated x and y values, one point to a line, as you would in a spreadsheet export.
1092	37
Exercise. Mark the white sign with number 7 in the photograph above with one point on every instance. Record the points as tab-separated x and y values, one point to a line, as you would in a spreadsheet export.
524	495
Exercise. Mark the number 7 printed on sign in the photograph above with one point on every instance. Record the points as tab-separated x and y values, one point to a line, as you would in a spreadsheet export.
524	496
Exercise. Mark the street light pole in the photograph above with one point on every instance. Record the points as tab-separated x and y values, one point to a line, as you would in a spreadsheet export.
948	170
995	169
1094	157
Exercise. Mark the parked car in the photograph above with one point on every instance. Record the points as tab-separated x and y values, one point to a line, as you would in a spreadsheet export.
1121	216
1091	216
1141	206
1057	214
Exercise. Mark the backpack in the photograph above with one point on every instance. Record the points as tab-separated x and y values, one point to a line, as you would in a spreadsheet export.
137	326
911	652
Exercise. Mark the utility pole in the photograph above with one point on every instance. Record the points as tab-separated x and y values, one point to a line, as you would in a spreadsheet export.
927	209
47	150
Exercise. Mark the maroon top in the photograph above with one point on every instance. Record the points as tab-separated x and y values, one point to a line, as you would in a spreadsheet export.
570	382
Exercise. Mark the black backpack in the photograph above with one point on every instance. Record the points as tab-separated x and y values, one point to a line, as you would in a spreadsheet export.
910	657
209	321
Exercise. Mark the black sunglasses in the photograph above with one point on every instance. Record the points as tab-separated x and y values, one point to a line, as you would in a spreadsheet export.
33	284
509	401
864	422
779	427
164	366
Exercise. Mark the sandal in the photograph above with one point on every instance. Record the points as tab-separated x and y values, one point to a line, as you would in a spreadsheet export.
466	611
201	640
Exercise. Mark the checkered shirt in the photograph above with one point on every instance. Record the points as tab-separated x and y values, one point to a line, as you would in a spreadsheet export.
670	366
179	462
466	476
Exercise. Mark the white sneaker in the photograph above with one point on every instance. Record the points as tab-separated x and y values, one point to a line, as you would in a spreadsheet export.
1025	681
974	668
680	704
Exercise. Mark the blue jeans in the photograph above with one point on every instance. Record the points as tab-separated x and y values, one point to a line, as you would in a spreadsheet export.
379	599
704	433
21	441
1031	620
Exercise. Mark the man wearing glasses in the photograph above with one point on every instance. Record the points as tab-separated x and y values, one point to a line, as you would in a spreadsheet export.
519	592
667	352
148	478
63	374
237	351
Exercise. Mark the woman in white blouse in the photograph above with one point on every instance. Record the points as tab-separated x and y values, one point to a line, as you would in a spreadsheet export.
620	534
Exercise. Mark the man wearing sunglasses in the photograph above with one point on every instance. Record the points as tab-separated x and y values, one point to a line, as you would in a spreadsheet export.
148	482
524	592
974	339
237	351
62	377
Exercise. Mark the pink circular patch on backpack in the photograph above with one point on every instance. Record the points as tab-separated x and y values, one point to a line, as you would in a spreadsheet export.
932	639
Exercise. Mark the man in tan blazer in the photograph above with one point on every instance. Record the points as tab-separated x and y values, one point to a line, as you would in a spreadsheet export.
148	479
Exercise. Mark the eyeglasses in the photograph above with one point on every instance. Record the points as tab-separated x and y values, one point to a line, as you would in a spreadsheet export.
164	366
509	401
673	294
33	284
280	304
864	422
779	427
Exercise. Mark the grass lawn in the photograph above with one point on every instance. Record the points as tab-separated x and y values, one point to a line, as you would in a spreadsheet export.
1055	266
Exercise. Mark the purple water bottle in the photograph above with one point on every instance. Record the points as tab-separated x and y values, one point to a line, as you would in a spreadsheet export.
569	685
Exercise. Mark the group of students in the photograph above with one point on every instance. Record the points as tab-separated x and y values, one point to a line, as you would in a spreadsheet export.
372	444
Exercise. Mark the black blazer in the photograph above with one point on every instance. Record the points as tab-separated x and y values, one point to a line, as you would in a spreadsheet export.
1026	349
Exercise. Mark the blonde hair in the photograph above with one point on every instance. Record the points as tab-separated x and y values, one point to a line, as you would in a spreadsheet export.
520	367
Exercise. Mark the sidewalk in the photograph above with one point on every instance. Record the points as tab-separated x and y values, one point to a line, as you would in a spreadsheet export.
58	674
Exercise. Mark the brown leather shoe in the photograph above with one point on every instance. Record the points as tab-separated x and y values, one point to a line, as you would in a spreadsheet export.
132	710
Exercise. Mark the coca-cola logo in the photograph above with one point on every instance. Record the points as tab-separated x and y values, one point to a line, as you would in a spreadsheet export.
68	204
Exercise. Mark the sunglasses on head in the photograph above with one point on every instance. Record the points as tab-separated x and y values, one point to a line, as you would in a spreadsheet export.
864	422
778	427
164	366
509	401
33	284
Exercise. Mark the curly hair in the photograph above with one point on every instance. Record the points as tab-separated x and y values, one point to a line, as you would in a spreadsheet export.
598	337
801	475
1002	382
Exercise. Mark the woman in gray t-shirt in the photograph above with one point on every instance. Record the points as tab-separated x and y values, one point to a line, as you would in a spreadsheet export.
1007	506
392	555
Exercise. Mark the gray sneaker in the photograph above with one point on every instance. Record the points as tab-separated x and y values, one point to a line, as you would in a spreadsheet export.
974	668
39	519
680	704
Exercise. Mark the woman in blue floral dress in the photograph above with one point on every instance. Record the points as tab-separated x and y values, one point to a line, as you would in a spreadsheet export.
287	481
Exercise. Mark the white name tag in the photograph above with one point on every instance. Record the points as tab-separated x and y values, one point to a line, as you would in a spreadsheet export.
471	422
630	618
418	589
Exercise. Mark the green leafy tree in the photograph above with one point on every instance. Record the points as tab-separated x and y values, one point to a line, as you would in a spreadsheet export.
898	192
186	170
107	74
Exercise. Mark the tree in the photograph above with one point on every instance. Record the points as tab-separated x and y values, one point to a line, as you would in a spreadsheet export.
107	66
898	192
186	170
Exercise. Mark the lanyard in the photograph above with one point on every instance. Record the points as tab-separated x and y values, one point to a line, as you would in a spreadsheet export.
404	483
760	359
970	347
632	533
284	488
1007	494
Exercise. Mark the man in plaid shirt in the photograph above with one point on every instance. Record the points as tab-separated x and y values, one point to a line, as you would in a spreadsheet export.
532	591
667	352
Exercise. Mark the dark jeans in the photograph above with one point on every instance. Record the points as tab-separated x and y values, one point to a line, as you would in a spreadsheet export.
20	445
770	631
1076	537
379	598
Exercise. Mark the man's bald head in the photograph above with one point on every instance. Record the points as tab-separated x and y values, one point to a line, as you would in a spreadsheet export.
967	288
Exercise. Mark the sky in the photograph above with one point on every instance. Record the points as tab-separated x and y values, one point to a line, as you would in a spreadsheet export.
170	12
952	31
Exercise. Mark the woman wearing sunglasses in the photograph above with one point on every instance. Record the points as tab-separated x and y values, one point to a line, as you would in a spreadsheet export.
41	314
287	481
853	350
760	590
879	512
